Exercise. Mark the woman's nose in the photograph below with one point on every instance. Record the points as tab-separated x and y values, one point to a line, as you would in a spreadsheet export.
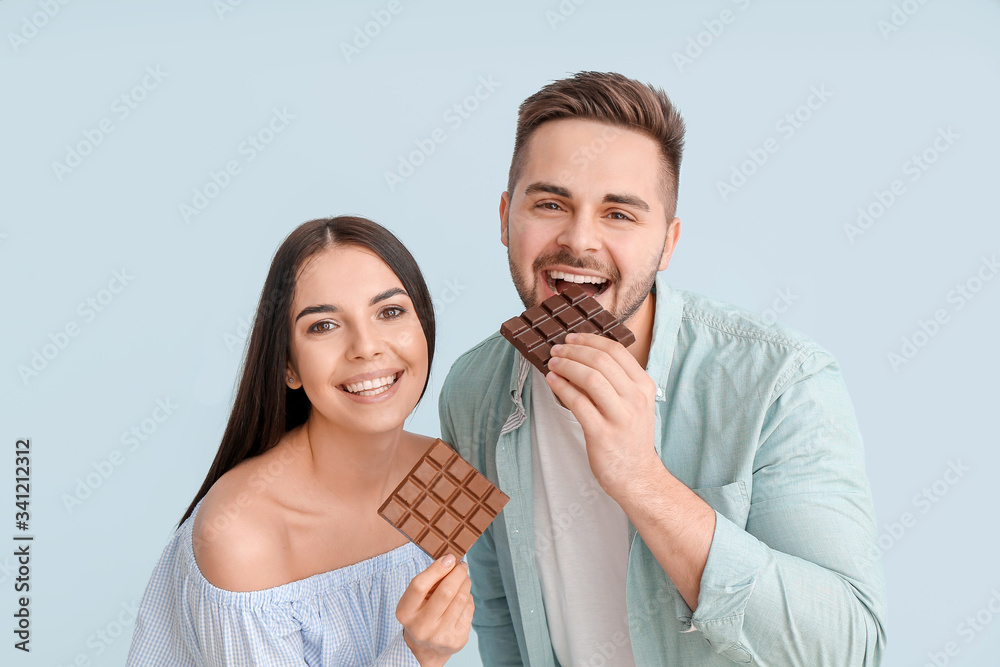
366	342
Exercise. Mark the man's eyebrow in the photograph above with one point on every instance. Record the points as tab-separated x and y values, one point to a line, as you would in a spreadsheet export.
627	200
327	308
547	187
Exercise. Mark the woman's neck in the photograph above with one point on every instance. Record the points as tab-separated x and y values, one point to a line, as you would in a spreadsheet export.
357	468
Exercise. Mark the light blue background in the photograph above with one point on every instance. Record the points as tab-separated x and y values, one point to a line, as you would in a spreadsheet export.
168	334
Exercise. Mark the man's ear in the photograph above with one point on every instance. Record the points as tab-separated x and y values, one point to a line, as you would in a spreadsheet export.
670	242
504	218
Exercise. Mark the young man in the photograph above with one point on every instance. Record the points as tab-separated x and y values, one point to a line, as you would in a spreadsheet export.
698	498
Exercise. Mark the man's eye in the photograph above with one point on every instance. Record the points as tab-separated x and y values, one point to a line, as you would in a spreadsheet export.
549	205
618	215
320	327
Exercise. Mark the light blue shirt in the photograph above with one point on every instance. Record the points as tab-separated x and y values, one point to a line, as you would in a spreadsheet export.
341	617
756	420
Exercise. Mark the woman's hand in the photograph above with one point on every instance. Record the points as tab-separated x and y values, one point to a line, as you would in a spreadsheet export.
436	611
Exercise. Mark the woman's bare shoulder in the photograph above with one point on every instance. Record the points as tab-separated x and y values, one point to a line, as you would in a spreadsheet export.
238	536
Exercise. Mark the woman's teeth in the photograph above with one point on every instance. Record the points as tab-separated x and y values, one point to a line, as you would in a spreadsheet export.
372	387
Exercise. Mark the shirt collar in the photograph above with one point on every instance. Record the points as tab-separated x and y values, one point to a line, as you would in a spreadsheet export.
517	380
666	324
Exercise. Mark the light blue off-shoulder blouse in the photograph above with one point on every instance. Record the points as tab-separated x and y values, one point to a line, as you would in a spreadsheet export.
341	617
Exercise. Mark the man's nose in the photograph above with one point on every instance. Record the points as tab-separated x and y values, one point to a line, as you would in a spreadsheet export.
581	234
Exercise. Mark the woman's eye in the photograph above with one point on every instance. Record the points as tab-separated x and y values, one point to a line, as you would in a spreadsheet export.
320	327
392	312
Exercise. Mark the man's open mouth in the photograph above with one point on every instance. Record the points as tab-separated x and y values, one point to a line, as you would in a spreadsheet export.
559	280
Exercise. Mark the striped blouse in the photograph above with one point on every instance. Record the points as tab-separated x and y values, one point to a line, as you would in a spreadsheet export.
341	617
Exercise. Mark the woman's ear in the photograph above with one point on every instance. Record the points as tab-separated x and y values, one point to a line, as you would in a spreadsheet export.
291	378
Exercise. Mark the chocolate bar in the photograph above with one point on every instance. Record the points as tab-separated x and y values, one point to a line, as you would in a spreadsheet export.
443	504
536	330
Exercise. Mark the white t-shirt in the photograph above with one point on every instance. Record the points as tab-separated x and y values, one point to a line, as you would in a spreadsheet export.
581	541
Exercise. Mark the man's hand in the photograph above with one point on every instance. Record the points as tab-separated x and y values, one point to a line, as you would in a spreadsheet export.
613	399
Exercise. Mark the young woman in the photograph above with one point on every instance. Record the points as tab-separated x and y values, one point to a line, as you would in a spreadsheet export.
282	559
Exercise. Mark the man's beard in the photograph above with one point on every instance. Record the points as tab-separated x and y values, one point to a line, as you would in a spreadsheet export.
628	298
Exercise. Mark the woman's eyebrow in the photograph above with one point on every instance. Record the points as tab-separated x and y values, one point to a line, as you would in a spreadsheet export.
327	308
322	308
391	292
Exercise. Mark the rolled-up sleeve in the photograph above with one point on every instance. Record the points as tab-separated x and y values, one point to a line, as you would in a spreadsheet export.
803	583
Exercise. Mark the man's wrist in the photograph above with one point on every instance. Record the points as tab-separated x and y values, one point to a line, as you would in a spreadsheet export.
628	485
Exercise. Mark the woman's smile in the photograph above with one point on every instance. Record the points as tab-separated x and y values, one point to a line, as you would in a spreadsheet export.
376	386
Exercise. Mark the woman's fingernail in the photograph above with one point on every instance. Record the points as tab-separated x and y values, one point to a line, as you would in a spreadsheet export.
448	560
556	348
465	565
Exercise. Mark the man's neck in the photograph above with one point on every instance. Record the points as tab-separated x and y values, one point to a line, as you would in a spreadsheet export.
641	324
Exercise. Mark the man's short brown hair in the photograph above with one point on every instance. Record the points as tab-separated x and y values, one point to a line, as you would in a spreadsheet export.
605	97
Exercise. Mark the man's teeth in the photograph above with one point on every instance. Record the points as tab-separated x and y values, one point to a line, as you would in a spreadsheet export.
371	387
573	278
